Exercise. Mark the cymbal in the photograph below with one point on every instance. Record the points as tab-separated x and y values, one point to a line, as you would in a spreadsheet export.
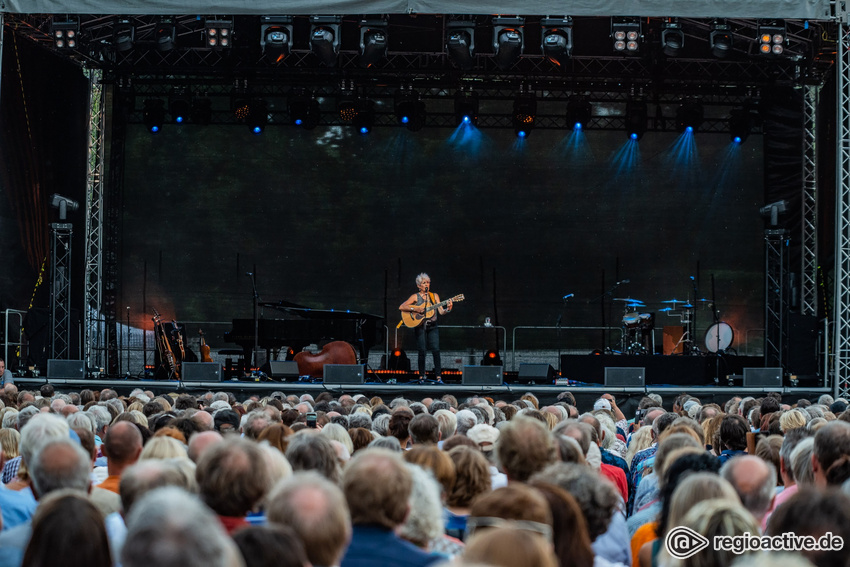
675	301
635	305
628	300
666	309
704	300
687	306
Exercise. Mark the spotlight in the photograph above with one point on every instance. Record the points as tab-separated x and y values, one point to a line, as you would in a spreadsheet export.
525	113
626	34
179	106
689	116
398	360
165	35
218	34
720	39
364	118
154	114
466	108
772	38
123	35
491	358
672	39
347	106
557	39
636	115
460	43
579	112
258	116
409	110
276	37
740	124
65	34
508	42
304	110
373	42
324	38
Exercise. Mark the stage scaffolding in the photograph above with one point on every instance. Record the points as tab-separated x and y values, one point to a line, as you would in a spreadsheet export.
841	300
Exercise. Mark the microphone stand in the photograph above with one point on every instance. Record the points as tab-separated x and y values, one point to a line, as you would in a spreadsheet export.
127	373
256	301
601	299
558	338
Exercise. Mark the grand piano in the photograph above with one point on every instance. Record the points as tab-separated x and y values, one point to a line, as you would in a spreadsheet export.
306	326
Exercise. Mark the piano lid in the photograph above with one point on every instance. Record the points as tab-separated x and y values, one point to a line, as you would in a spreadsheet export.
310	313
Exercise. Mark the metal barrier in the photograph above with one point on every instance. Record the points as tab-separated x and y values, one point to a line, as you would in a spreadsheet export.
20	344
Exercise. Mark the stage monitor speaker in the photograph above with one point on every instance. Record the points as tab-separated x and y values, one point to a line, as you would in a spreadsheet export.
625	377
535	373
283	369
762	377
67	369
344	373
482	376
201	372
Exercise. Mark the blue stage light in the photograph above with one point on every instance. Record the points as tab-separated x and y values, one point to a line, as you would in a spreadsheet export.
258	130
466	119
298	122
179	120
364	130
522	133
405	119
689	129
154	129
577	126
633	136
737	139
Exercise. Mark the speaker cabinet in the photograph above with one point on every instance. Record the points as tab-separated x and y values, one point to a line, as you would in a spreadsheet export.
625	377
344	373
67	369
762	377
201	372
482	376
283	369
535	373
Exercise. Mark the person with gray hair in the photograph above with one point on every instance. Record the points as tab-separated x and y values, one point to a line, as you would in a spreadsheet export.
360	419
80	420
466	420
448	424
388	443
381	424
317	512
102	418
754	480
309	450
171	528
424	524
57	463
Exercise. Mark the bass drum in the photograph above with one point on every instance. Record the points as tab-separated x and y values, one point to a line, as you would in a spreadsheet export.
719	337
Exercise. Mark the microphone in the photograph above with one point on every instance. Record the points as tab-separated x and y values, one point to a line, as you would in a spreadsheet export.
693	279
569	295
623	281
249	273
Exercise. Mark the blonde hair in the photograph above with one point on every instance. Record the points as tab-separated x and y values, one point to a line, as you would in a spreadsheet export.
716	517
695	488
10	441
508	547
791	419
641	439
163	447
336	432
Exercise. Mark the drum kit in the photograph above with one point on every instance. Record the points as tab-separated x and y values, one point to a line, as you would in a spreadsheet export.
638	326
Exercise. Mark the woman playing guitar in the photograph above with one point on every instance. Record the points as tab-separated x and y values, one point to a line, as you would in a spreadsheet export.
428	333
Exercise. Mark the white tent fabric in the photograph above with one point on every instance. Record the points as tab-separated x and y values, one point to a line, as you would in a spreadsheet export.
791	9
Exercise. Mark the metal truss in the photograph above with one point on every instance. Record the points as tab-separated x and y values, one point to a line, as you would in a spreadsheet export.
841	299
776	300
809	239
93	327
60	289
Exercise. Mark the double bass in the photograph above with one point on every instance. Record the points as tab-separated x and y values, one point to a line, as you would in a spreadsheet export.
335	352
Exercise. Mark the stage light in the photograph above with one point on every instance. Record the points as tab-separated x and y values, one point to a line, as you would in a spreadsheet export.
579	112
740	123
772	38
123	35
65	34
672	38
364	119
525	114
466	108
689	116
179	106
324	38
398	361
258	116
460	43
557	39
304	110
165	35
276	37
409	110
373	42
153	114
636	115
720	39
491	358
508	41
626	35
218	34
347	106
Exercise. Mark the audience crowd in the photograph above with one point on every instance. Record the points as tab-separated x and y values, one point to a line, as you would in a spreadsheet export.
95	479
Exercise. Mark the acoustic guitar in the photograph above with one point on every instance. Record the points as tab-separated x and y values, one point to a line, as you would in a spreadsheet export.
205	348
415	319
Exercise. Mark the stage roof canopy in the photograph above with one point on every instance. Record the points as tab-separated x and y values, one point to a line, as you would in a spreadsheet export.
797	9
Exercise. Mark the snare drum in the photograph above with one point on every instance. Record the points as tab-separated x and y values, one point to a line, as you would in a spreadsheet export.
647	321
631	320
